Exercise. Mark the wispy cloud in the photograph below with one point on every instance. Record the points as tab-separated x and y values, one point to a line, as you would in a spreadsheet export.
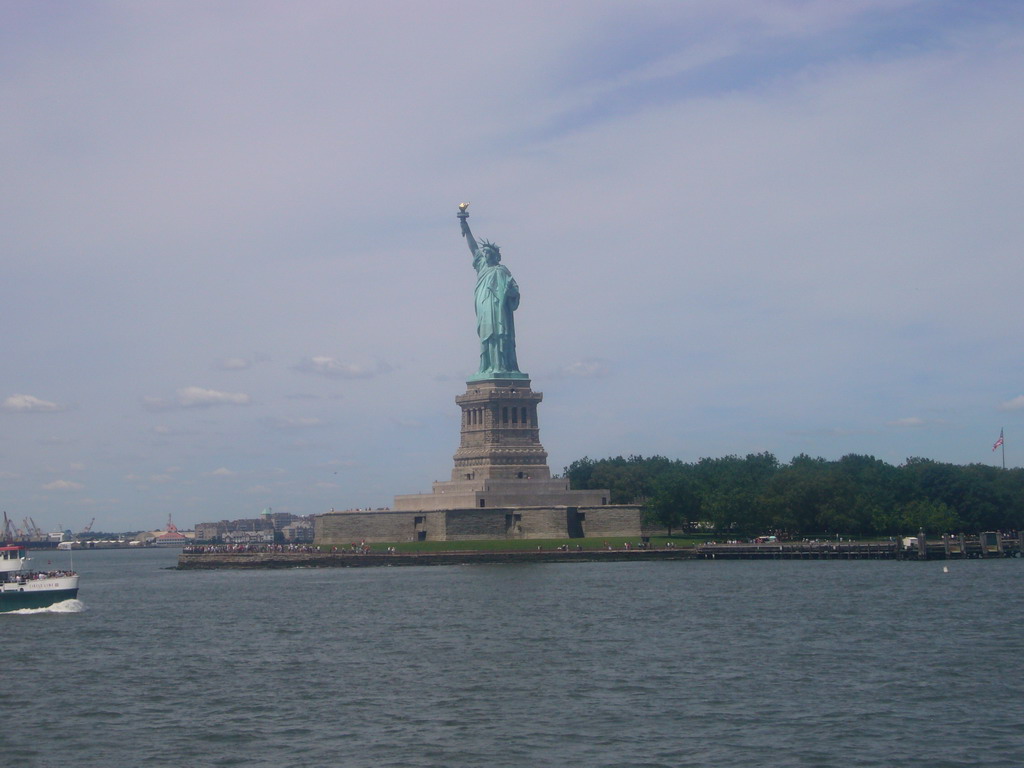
909	421
30	404
63	485
332	368
299	422
196	397
407	423
587	368
241	362
1013	405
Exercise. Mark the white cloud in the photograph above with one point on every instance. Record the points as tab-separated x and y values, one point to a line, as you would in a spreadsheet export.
192	397
1013	405
63	485
909	421
221	472
235	363
322	365
30	404
196	397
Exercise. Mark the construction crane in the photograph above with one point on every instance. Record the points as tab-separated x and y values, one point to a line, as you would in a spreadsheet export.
8	532
35	530
87	528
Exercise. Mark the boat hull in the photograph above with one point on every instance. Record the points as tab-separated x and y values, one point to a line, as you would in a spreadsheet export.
38	594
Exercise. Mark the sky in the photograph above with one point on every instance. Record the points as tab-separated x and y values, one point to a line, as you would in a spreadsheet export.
232	274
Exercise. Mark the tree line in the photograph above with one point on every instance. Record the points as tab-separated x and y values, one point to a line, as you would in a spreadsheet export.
855	495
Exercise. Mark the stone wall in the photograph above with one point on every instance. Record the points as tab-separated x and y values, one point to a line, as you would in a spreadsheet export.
467	524
341	529
620	520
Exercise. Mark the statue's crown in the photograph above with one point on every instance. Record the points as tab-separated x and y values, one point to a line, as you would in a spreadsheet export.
488	244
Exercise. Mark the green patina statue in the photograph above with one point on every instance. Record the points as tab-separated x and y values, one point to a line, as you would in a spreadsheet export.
497	297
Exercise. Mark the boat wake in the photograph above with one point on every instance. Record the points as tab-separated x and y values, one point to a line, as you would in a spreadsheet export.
65	606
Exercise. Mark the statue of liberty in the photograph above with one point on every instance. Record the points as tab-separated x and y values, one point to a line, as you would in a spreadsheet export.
497	297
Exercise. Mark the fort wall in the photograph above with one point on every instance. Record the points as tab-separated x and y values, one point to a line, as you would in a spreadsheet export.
340	529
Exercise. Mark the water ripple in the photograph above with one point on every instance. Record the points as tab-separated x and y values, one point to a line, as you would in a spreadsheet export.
604	664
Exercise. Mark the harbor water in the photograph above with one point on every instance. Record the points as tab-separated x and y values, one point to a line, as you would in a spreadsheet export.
685	663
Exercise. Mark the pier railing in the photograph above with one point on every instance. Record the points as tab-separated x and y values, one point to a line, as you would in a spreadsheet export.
948	547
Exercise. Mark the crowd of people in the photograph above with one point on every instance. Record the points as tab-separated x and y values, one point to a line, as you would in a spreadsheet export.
362	548
23	577
220	549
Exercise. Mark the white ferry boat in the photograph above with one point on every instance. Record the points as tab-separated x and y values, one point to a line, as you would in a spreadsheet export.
21	588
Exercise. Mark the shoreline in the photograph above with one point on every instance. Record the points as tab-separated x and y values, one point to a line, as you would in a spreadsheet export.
1007	548
208	560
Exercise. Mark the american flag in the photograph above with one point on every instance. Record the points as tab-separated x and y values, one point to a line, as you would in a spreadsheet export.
999	441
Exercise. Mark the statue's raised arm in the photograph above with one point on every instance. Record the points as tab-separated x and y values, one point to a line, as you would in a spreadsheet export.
470	240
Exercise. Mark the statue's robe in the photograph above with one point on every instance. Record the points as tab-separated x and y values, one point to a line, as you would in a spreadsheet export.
497	297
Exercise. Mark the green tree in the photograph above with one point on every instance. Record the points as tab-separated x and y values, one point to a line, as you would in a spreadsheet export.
732	490
929	516
579	473
674	502
855	495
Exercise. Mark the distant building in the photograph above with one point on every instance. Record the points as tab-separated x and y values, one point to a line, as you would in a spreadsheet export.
269	527
301	531
171	539
208	531
248	537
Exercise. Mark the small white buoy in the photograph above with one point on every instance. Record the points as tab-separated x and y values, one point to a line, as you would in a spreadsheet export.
945	569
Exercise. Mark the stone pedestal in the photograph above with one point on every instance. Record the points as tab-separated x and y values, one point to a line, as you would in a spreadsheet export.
500	461
500	434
